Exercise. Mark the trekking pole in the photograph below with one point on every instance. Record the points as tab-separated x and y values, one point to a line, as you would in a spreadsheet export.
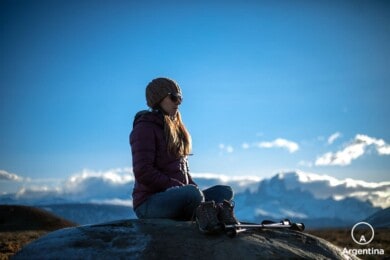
234	229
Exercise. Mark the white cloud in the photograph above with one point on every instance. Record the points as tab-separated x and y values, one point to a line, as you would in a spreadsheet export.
113	183
113	176
381	146
277	143
229	149
280	143
245	146
304	163
38	192
384	150
115	201
226	148
333	137
355	149
6	176
238	183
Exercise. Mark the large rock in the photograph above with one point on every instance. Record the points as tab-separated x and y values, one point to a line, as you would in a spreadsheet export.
162	239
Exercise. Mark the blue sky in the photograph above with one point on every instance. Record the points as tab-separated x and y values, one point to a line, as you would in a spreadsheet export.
267	85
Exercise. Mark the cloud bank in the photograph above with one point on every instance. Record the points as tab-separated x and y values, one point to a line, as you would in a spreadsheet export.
85	186
115	186
6	176
353	150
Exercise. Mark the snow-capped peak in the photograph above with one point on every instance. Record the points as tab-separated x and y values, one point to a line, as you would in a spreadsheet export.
325	186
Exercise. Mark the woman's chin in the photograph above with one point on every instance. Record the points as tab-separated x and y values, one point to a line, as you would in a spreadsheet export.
174	112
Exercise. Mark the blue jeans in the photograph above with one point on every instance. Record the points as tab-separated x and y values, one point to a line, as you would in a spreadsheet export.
180	202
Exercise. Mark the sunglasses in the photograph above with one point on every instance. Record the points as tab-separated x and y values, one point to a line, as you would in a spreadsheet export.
175	97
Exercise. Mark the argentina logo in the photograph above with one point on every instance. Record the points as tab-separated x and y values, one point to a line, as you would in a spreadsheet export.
362	233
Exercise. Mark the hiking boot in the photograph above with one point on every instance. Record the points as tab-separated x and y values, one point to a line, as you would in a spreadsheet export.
206	215
226	215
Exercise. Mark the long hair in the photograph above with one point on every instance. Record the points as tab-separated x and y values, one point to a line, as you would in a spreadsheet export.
178	139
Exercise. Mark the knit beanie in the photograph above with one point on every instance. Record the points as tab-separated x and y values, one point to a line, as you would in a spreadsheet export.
158	89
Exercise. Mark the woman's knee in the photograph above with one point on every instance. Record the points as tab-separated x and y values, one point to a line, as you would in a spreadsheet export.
194	194
219	193
226	191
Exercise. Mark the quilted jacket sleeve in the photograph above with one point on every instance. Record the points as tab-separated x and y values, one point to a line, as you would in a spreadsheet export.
143	148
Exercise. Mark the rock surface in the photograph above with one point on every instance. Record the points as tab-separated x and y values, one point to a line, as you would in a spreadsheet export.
168	239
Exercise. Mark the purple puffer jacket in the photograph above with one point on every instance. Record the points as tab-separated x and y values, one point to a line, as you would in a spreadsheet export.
154	169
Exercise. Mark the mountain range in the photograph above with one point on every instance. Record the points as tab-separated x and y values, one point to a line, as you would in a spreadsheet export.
316	200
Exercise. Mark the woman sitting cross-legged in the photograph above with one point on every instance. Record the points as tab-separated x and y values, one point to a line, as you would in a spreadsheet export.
160	145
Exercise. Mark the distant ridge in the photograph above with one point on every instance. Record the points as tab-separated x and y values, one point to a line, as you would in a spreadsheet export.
381	219
89	213
22	218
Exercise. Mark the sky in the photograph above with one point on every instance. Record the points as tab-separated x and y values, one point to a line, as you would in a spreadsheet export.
267	85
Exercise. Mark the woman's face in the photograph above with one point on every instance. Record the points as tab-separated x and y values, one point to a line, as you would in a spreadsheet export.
170	104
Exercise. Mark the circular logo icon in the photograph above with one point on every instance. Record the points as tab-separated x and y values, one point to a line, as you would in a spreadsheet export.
362	233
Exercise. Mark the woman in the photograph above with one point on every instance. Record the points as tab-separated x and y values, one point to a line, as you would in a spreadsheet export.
160	145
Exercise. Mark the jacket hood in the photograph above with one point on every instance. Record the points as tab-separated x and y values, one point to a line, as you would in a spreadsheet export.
154	116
